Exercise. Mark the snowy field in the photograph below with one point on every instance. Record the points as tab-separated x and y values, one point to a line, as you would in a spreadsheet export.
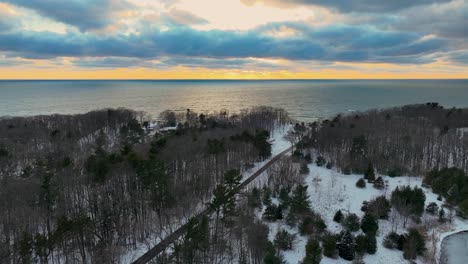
331	191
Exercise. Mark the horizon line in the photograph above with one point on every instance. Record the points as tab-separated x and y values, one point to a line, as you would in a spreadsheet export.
241	79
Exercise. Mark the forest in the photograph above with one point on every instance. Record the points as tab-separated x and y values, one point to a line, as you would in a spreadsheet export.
89	188
407	140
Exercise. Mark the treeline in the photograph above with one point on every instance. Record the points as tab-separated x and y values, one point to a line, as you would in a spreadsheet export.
412	139
91	188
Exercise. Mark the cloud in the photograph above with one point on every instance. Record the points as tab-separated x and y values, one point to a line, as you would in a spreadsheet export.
347	6
170	62
459	57
448	20
181	17
328	43
83	14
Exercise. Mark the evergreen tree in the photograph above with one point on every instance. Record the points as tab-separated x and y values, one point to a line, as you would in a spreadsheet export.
351	222
369	175
300	203
232	179
313	252
272	256
369	224
338	216
442	218
371	244
409	202
284	240
329	245
346	246
284	196
312	224
253	199
361	244
266	196
273	213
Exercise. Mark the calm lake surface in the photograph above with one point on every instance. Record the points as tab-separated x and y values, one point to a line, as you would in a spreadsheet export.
305	99
455	249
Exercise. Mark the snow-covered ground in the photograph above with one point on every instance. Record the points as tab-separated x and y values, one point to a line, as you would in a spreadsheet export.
330	191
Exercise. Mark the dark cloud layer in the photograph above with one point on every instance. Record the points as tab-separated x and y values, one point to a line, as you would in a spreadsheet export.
84	14
333	43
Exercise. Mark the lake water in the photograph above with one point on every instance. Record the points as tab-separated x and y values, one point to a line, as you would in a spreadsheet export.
305	99
455	249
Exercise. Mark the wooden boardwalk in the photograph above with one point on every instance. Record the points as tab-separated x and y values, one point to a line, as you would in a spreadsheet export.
161	246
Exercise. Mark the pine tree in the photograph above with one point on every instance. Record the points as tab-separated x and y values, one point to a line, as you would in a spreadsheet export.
346	246
369	224
371	244
272	256
361	244
442	218
369	175
284	240
351	222
338	216
232	179
329	245
313	252
300	203
284	196
273	213
266	196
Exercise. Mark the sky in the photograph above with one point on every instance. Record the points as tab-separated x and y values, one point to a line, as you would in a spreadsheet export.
233	39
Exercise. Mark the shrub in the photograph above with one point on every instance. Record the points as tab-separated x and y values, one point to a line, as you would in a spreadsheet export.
320	161
414	245
391	240
304	168
361	183
379	183
432	208
379	207
395	172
